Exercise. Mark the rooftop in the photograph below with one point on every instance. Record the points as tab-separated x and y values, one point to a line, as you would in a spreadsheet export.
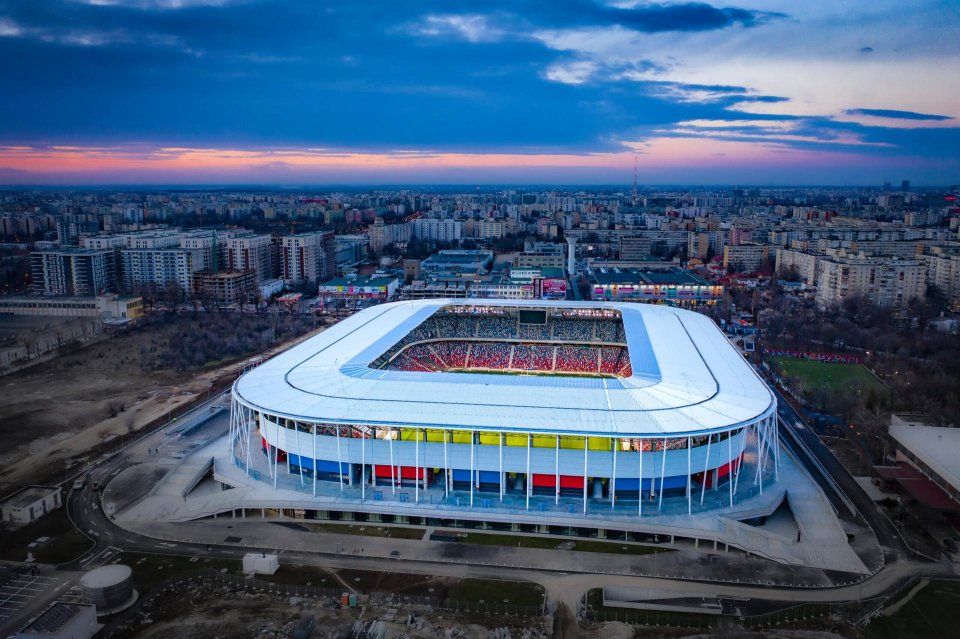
674	276
687	378
378	280
54	618
937	446
29	495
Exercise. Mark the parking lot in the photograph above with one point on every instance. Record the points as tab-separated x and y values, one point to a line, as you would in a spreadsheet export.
22	592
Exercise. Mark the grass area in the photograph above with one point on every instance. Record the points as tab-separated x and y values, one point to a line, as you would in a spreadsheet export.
149	570
66	542
553	543
367	530
934	611
829	375
647	617
518	593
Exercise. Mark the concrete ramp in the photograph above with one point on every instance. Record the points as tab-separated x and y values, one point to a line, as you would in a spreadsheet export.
184	478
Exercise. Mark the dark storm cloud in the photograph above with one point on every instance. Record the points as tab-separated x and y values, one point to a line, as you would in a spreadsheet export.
900	115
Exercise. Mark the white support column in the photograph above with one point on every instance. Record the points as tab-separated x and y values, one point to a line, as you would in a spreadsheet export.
416	466
502	477
613	474
585	442
730	464
640	477
314	459
393	469
230	437
363	465
276	452
247	437
236	438
776	446
529	480
556	472
663	474
706	465
743	447
473	478
288	451
339	460
296	433
761	444
689	482
446	467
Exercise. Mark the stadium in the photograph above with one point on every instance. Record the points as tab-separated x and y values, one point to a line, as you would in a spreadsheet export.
510	412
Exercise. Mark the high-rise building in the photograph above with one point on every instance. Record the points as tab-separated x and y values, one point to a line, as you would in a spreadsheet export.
435	230
161	267
73	271
309	256
250	253
889	282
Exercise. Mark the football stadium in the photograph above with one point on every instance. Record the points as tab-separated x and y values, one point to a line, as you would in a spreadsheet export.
502	412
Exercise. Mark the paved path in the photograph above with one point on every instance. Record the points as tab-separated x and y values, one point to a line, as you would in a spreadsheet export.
565	585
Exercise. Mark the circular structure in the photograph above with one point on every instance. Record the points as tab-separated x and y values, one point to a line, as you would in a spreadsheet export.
606	402
110	588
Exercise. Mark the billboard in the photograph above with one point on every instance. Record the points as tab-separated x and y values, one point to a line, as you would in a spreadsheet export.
555	287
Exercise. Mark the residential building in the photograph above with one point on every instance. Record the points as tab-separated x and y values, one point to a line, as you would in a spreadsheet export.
308	256
226	287
943	272
251	253
437	230
73	271
889	282
382	234
804	263
747	257
161	267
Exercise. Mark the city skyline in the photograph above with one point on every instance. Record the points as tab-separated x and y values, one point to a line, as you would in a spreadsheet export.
233	92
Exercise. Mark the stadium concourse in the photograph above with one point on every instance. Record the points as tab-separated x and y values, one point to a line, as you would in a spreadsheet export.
602	408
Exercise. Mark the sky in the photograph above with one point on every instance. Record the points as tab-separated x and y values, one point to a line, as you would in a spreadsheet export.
744	92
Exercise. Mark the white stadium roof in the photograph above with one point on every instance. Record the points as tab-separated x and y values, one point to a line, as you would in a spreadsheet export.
687	378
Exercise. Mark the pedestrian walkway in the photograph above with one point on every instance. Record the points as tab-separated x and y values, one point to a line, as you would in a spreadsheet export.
823	543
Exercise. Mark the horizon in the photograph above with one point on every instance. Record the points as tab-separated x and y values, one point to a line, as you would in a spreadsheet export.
450	186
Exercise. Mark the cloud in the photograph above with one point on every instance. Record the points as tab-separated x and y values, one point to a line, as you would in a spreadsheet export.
155	4
690	16
9	28
472	28
499	76
638	17
900	115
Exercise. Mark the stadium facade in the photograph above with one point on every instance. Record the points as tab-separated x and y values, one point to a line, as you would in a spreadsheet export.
501	410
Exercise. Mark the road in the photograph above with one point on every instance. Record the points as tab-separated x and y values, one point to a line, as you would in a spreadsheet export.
796	427
84	509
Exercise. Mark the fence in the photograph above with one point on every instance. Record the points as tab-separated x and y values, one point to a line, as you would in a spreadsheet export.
854	613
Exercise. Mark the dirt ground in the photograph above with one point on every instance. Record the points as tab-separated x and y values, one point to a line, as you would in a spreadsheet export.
59	409
199	610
